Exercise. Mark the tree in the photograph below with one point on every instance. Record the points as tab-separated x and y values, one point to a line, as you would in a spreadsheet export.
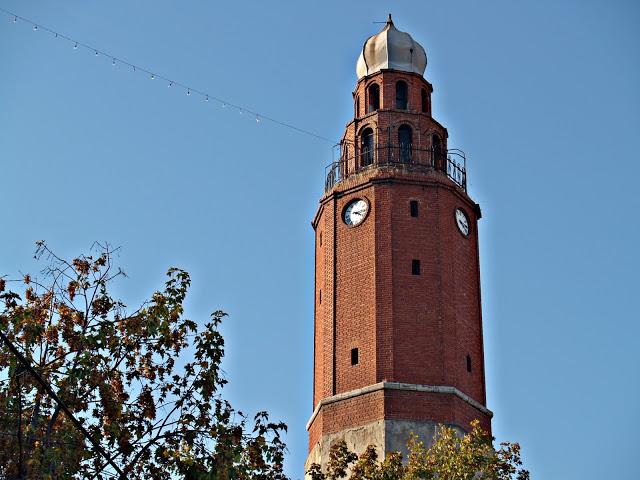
144	385
450	457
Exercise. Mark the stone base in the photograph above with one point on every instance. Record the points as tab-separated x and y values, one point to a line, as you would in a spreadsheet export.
387	435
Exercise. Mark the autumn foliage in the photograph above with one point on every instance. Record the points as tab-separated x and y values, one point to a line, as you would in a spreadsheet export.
145	383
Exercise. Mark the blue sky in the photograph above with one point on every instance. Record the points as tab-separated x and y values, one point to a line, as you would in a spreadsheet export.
543	96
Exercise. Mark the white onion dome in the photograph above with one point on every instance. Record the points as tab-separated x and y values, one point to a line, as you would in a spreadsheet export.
391	49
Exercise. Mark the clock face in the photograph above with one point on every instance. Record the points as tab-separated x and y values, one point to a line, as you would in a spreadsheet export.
356	212
463	222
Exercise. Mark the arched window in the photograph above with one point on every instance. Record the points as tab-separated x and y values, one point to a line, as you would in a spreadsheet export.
402	95
366	147
374	98
424	98
436	150
404	143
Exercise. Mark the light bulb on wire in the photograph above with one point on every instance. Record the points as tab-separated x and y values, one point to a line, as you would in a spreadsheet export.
113	62
35	28
153	76
188	91
75	46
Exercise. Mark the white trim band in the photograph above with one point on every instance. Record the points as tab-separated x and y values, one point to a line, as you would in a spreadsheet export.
411	387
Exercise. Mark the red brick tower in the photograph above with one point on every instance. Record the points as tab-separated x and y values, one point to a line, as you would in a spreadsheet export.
398	327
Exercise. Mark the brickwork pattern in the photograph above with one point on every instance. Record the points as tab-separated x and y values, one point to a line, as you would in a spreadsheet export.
385	121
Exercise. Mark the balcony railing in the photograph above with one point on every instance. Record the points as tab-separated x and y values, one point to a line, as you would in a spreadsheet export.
453	163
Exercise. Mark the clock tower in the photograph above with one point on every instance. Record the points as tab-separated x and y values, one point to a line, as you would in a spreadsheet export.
397	323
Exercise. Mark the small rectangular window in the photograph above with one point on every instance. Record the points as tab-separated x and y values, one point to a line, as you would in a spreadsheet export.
415	267
320	238
469	363
413	208
354	356
320	296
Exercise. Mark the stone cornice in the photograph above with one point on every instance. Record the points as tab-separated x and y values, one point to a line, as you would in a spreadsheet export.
398	386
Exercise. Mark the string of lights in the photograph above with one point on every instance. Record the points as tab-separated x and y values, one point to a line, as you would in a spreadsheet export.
135	68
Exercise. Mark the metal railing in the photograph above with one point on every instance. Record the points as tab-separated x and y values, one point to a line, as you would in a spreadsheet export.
453	163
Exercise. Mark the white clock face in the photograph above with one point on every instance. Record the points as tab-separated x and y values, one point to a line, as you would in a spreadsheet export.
356	212
462	221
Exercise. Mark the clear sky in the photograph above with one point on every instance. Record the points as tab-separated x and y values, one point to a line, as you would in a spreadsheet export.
542	95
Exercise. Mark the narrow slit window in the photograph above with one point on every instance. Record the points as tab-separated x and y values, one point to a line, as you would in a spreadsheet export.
320	296
424	100
436	150
413	208
366	147
415	267
354	356
373	97
469	363
402	95
404	143
320	238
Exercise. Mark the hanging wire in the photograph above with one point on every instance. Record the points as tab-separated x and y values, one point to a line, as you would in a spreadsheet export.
189	90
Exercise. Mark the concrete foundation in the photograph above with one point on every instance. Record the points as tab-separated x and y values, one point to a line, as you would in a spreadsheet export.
387	435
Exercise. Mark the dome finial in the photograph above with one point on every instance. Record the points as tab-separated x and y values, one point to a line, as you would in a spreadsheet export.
391	49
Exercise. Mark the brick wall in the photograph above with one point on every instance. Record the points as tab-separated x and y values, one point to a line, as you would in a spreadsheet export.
416	329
